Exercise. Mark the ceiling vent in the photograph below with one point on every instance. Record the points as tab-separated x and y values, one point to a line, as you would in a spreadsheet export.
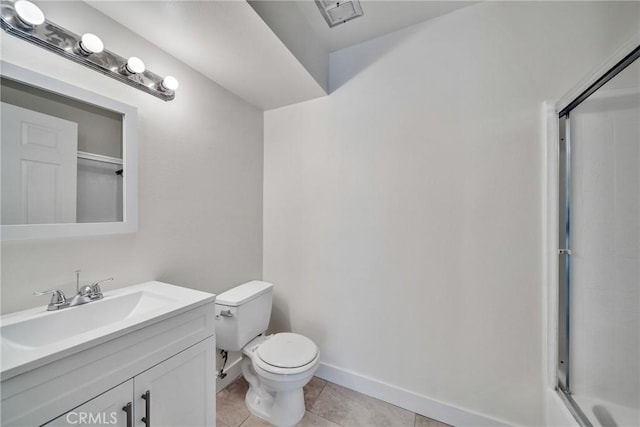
337	12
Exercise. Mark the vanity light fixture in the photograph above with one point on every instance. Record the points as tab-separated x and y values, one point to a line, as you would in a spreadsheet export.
28	14
169	83
89	44
133	65
26	21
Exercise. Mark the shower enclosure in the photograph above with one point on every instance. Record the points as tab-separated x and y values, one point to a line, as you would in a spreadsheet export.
598	367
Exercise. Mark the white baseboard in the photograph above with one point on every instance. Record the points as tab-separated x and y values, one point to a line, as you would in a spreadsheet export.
233	371
406	399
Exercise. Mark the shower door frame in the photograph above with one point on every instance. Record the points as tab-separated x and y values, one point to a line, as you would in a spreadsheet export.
563	378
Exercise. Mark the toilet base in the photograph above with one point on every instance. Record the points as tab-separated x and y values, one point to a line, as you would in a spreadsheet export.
279	411
282	409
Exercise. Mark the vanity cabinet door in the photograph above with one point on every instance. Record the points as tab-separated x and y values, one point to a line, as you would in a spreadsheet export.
179	391
108	409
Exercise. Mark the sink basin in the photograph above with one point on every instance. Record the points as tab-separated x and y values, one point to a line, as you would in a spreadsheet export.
39	331
35	337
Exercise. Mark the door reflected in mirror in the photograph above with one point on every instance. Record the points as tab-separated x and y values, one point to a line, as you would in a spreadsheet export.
62	159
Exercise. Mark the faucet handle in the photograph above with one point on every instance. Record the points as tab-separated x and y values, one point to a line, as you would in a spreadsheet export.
95	286
57	298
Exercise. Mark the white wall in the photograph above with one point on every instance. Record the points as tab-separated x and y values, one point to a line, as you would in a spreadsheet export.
402	214
200	164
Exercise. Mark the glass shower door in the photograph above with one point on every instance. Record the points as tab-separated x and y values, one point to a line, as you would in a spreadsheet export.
601	372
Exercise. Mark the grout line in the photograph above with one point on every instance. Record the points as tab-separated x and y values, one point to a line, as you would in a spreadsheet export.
329	421
244	421
415	419
318	397
323	387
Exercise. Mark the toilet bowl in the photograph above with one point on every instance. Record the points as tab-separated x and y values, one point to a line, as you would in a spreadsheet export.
277	366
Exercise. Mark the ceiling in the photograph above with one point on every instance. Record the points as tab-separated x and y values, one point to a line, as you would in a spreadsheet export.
380	17
231	44
224	40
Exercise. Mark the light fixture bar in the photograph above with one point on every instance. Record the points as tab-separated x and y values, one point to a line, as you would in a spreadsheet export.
64	42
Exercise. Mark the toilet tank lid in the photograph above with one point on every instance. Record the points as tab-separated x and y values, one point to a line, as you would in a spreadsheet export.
243	293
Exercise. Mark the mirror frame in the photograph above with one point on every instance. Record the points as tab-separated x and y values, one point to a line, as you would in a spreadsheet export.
129	158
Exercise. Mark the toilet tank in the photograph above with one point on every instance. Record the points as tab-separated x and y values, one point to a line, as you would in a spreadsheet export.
242	313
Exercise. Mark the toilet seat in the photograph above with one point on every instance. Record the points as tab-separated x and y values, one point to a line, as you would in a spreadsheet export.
285	353
287	350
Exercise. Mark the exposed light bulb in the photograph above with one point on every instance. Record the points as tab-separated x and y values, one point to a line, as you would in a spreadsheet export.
89	43
169	83
135	65
28	13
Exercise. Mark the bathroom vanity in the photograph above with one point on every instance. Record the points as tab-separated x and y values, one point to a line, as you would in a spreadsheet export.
143	355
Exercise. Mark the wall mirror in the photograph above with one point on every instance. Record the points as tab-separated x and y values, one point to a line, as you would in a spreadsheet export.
68	159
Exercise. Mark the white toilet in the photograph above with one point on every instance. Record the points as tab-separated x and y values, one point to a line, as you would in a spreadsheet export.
276	366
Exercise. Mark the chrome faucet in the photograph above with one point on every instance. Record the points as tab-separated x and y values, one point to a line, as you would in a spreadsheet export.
58	300
84	295
89	293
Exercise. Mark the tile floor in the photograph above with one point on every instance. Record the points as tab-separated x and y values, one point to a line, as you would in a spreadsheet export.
328	405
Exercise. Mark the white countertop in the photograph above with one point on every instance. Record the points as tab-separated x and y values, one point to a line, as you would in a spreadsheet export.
35	337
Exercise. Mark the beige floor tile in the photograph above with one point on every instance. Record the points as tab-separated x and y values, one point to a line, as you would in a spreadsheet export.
350	408
230	408
220	423
428	422
313	420
254	421
309	420
312	391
